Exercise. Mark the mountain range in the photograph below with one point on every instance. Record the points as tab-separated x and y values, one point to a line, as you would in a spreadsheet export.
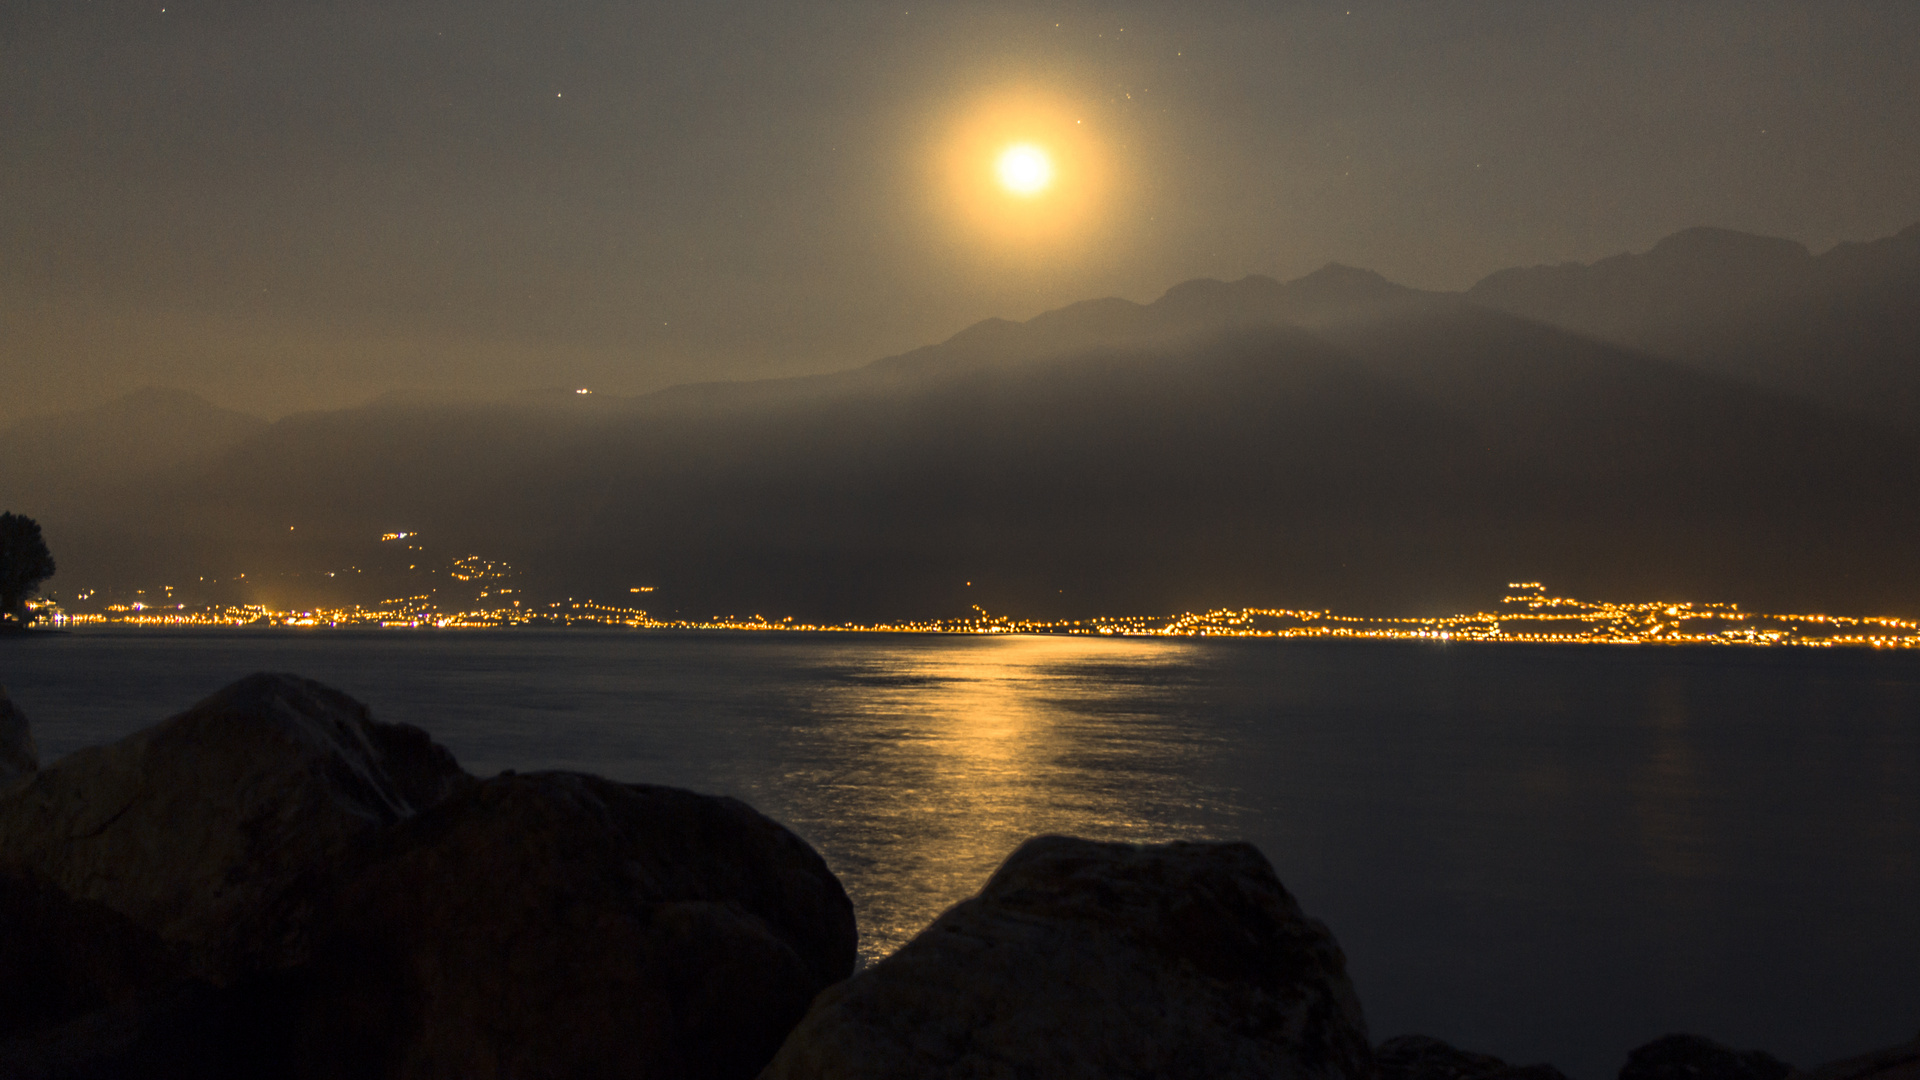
1840	327
1725	417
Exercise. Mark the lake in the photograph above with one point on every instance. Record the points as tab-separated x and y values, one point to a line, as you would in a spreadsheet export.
1545	853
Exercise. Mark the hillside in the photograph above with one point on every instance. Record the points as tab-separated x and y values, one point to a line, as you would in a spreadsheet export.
1842	327
1412	459
1334	441
75	461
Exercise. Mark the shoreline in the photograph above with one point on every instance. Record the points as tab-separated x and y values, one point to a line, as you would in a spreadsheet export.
1876	644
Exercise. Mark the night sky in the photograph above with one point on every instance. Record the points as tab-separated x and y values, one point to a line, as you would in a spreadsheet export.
298	205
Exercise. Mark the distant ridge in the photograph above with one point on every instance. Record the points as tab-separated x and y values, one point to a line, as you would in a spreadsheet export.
1692	272
1842	327
1192	308
57	460
1403	462
1695	422
1199	306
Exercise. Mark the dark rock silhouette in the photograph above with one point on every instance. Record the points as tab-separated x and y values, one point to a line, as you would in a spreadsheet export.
1418	1057
198	827
557	924
1082	959
18	754
88	994
1695	1057
275	884
1900	1062
183	1030
61	957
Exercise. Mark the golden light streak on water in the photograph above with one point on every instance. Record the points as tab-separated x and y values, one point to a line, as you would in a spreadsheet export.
963	754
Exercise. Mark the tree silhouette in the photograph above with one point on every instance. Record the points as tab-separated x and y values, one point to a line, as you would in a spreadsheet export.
25	562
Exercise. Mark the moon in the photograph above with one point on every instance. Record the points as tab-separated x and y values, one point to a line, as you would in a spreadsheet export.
1020	172
1024	169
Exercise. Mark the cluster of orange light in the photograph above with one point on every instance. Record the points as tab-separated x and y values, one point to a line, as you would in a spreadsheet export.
1529	614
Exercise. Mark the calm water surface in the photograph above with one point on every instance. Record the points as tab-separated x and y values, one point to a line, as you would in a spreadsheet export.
1547	854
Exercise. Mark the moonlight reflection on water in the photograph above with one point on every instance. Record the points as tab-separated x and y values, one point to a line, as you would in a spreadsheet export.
1547	853
932	766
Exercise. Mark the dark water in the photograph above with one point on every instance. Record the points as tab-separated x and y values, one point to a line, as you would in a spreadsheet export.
1547	854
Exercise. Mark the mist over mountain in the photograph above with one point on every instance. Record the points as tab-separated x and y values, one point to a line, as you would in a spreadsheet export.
1335	441
1194	308
1413	463
1841	327
76	460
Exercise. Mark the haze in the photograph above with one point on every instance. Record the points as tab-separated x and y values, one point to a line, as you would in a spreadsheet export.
297	206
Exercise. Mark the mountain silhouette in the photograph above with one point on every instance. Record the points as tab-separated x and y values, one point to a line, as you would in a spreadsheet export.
1841	327
81	457
1198	307
1415	462
1336	441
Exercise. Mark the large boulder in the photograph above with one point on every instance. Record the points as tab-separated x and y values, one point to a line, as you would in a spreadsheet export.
86	992
562	925
18	755
1083	959
1900	1062
187	1030
203	827
1421	1057
274	884
61	957
1695	1057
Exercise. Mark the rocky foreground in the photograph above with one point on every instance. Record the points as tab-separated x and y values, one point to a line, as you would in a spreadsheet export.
274	884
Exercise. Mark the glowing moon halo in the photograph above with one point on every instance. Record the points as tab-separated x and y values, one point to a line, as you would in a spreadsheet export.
1020	173
1024	169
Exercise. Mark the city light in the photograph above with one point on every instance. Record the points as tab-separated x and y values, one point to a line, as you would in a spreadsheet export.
1528	614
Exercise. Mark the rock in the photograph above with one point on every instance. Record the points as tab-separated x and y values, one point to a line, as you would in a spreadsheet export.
1419	1057
87	992
61	957
189	1030
18	755
1692	1057
1082	959
199	828
562	925
1894	1063
273	884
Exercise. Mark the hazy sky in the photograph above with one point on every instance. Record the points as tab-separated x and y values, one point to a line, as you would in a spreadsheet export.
302	204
